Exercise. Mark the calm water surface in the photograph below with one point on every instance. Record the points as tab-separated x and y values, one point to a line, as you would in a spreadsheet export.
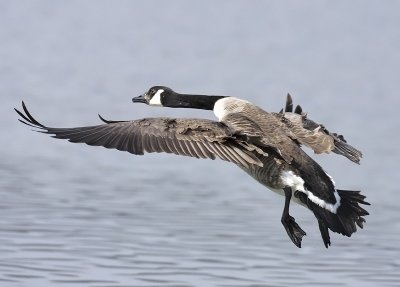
73	215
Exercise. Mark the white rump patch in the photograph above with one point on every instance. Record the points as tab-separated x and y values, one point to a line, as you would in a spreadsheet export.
297	183
156	99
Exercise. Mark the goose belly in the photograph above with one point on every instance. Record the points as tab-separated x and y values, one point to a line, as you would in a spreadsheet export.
270	175
282	192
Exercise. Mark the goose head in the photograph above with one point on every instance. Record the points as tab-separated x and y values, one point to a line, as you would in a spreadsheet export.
156	96
162	96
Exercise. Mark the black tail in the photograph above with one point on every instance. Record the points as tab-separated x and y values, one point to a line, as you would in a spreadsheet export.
350	212
348	216
324	233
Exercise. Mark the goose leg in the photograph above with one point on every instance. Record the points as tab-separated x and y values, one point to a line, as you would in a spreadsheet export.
292	228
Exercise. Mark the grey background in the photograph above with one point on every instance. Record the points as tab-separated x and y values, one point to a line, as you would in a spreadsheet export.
73	215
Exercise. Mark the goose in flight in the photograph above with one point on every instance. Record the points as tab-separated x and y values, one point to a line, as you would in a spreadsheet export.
265	145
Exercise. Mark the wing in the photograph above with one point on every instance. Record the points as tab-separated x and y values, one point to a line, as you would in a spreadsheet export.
198	138
252	133
315	135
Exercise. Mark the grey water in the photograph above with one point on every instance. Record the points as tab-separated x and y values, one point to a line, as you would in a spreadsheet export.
74	215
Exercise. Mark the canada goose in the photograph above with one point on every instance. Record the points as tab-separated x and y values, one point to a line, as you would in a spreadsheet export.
265	145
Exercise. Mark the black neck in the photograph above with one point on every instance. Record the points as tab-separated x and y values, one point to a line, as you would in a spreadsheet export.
202	102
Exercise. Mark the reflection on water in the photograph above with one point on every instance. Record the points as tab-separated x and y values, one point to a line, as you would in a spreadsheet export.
96	229
73	215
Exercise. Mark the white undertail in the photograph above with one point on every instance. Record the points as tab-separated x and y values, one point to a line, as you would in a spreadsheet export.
297	183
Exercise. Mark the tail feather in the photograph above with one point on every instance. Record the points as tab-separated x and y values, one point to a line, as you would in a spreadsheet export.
349	214
324	233
350	209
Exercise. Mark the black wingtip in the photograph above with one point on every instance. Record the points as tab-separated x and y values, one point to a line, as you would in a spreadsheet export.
298	110
27	118
103	119
108	121
289	103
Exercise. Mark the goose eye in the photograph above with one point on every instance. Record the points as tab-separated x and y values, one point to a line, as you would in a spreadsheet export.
152	92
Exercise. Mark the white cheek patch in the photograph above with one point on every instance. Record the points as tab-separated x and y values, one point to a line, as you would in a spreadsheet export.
156	99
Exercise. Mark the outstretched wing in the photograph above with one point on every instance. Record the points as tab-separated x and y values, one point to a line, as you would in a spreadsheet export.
315	135
198	138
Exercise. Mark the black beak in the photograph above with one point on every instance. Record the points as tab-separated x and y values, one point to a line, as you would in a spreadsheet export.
140	99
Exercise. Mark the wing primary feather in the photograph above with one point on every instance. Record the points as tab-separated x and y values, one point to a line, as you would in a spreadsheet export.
238	159
177	146
183	147
97	138
348	151
31	119
138	142
108	121
31	125
130	147
134	143
196	148
146	142
298	110
28	122
212	149
123	142
289	104
66	133
163	145
229	155
79	135
248	156
221	152
149	142
206	151
171	145
191	149
155	143
114	137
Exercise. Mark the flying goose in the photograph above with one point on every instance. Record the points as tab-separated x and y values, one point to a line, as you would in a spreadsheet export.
265	145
